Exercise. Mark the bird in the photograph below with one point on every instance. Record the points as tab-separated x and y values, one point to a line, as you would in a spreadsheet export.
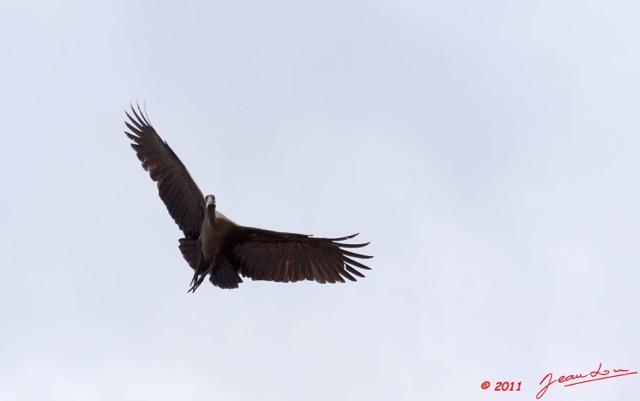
215	246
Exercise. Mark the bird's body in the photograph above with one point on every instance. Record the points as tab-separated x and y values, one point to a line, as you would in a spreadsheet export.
215	227
217	247
212	234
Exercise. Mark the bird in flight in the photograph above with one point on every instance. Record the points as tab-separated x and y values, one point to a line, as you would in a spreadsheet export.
215	246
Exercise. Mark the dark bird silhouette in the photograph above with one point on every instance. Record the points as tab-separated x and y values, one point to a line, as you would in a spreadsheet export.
214	245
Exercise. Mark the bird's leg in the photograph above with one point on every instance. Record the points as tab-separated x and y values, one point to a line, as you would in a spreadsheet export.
201	271
196	281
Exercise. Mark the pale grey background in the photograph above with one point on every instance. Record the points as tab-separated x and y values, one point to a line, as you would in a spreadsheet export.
488	149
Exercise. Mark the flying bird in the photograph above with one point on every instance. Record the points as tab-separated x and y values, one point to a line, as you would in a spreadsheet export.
215	246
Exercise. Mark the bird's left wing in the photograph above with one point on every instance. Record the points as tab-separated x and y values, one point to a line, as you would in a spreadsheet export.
176	188
287	257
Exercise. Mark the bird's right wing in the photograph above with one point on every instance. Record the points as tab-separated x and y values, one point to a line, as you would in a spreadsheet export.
176	188
287	257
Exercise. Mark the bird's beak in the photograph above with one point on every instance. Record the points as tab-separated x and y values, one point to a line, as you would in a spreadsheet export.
211	205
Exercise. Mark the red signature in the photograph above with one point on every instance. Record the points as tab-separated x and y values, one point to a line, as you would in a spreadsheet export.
591	376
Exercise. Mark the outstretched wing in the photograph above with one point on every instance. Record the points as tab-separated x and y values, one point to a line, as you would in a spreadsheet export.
176	188
190	251
286	257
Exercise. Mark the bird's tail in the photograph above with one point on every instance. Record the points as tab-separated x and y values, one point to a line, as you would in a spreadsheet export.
225	276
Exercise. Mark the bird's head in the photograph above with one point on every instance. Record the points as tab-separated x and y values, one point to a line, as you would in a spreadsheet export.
210	203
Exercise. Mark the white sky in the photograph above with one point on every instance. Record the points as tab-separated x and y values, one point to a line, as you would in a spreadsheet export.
487	149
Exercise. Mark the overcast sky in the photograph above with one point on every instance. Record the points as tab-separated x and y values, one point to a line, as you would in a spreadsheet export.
487	149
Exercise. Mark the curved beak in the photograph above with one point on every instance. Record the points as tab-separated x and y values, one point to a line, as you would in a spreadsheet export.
211	204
